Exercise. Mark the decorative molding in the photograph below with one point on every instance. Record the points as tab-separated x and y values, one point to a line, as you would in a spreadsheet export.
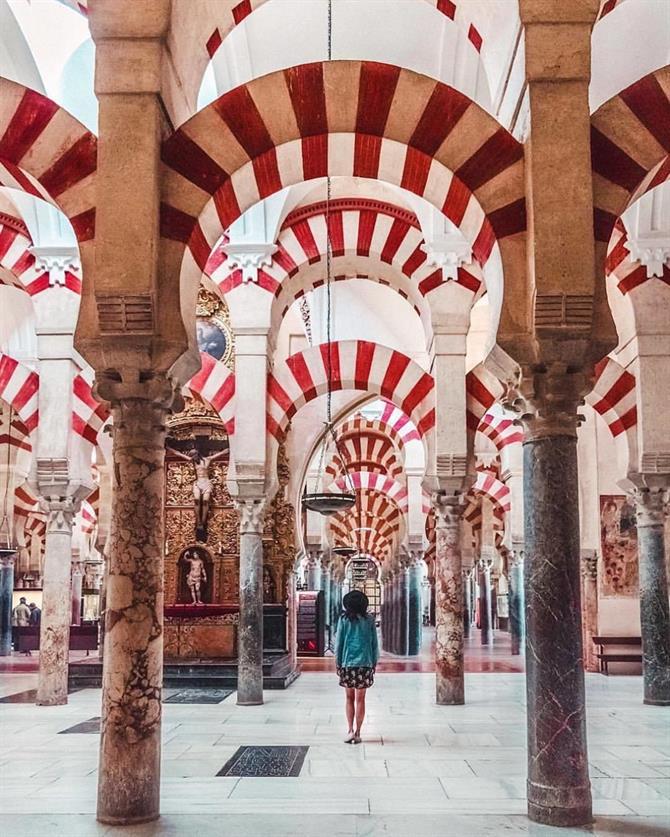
653	252
128	314
451	465
249	258
303	213
655	462
56	260
448	253
563	311
251	511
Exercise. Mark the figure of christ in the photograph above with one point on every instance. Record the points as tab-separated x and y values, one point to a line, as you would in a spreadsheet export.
202	487
197	575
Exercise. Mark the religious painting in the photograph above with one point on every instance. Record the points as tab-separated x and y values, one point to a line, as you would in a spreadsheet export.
211	339
618	537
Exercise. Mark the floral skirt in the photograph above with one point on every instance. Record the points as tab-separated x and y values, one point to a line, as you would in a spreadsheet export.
356	677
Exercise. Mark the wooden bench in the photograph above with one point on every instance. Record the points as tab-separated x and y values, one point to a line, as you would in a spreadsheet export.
606	658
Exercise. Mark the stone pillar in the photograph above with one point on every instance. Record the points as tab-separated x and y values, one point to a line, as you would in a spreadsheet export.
56	603
415	608
6	590
654	609
132	678
291	615
517	616
485	612
559	792
76	592
325	588
450	681
589	608
403	608
395	613
467	602
314	572
250	630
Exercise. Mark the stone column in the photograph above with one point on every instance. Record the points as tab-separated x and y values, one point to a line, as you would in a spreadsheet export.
132	679
485	613
291	615
450	681
314	572
559	792
415	608
394	622
250	630
56	603
325	588
654	609
589	608
6	590
517	616
403	610
76	592
467	602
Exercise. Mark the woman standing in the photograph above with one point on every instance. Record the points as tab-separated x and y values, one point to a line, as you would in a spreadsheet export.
356	655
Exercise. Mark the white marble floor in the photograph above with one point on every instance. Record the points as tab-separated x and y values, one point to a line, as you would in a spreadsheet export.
421	771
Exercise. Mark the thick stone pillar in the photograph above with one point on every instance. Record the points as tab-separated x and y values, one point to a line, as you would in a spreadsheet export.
250	630
6	590
450	681
517	616
403	610
76	592
559	792
589	608
132	679
56	603
654	609
485	611
415	625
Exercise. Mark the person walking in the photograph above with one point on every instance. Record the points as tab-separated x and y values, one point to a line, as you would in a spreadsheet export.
35	614
356	656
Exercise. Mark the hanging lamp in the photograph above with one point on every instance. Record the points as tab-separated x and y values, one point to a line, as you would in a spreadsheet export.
318	500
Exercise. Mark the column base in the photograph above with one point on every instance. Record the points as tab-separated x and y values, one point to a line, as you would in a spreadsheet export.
109	820
51	701
656	701
560	806
450	694
249	702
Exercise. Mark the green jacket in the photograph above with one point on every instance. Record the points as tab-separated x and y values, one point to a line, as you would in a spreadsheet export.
356	643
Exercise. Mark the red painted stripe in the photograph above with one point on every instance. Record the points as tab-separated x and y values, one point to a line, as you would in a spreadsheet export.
367	150
241	11
315	156
300	371
7	368
284	260
366	228
213	43
26	391
427	423
83	392
478	391
41	283
303	232
397	365
442	113
267	174
394	239
649	102
456	202
33	114
420	391
72	282
633	280
72	167
24	182
415	171
224	394
475	38
331	362
481	249
7	238
603	224
627	420
308	97
510	219
365	352
498	153
336	229
375	94
467	280
447	7
238	110
612	162
84	225
431	282
227	207
278	394
199	247
186	157
608	7
24	262
414	262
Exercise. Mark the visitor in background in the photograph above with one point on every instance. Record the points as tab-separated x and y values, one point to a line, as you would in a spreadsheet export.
356	656
35	614
21	614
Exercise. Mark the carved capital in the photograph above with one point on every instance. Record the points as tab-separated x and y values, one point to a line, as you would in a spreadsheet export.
590	564
7	560
56	260
59	514
249	258
448	509
547	399
251	511
650	504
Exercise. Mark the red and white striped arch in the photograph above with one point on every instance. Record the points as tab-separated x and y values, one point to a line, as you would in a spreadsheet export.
295	125
366	452
500	430
371	481
45	152
358	424
487	484
482	391
356	365
630	144
88	414
19	387
215	384
624	269
614	397
18	260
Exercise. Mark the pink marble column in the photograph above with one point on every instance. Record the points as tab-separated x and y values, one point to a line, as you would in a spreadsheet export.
56	603
130	740
450	682
589	608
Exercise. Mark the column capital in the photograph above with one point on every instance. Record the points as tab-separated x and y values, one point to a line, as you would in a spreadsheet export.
59	513
7	560
590	564
547	398
251	511
448	509
650	502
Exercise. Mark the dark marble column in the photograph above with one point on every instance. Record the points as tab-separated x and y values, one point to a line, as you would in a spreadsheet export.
449	681
403	608
130	740
395	612
250	629
559	791
6	590
485	614
415	615
467	602
654	609
590	609
517	616
76	592
384	612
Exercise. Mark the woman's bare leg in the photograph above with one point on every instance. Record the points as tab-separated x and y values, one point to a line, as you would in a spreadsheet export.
360	709
350	696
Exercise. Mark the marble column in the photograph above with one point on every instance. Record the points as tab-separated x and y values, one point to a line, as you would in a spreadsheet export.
485	614
76	592
383	612
467	602
325	589
450	681
415	615
395	613
291	615
314	573
250	629
403	615
132	679
558	788
6	590
517	616
56	603
590	609
654	609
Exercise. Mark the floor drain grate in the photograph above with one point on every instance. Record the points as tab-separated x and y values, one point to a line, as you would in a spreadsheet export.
196	695
265	761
